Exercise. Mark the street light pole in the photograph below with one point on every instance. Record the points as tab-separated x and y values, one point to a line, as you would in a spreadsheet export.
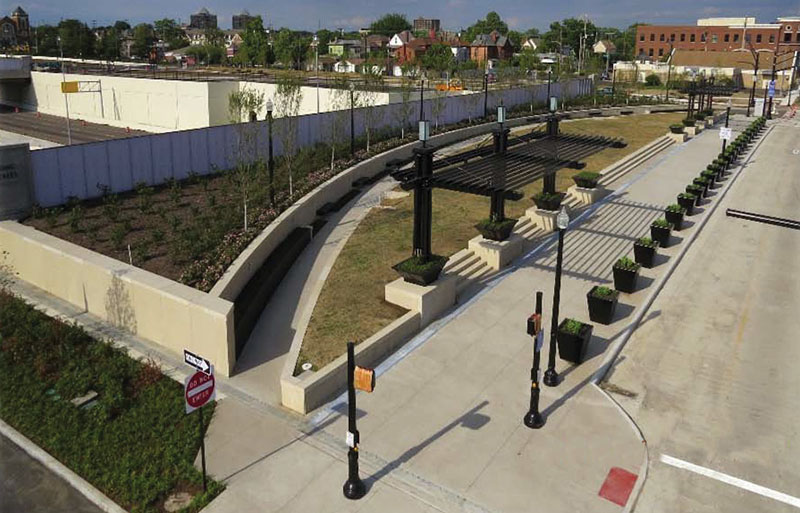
271	161
316	67
727	118
66	98
550	375
353	488
533	419
772	81
486	93
421	98
669	71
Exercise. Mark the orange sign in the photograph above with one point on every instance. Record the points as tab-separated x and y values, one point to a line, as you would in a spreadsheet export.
69	87
364	379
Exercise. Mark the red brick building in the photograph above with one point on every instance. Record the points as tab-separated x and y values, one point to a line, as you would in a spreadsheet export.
718	35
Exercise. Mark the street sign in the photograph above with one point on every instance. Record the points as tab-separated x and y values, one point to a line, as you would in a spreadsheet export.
69	87
539	340
364	379
725	133
198	390
196	361
771	90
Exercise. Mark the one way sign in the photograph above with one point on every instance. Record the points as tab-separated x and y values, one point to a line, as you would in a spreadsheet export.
198	362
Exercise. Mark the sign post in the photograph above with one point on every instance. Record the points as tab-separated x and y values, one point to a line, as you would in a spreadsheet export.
533	419
199	389
363	379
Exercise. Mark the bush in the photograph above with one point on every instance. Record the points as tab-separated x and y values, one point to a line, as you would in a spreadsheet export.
627	264
660	223
572	326
688	122
676	208
604	292
676	128
587	179
646	241
652	80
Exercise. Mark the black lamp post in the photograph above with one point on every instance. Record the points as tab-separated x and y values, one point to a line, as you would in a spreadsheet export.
271	161
421	99
353	488
486	94
533	419
352	120
550	375
727	118
548	61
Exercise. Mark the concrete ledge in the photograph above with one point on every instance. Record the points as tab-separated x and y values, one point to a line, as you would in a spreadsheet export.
311	390
94	495
497	254
168	313
699	127
587	196
544	219
710	122
691	131
429	301
678	138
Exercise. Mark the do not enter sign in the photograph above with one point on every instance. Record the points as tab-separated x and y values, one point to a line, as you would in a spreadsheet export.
199	390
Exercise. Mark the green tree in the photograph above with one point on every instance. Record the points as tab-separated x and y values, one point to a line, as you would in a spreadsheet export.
528	60
109	44
121	26
390	24
242	105
487	25
255	48
215	37
291	48
168	31
76	39
46	40
143	39
288	97
439	57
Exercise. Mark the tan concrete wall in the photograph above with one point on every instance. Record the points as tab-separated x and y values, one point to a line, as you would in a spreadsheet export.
170	314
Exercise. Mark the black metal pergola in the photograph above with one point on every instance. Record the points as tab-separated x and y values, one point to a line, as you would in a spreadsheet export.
499	171
703	92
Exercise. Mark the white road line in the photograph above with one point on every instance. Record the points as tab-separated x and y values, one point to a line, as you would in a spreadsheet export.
734	481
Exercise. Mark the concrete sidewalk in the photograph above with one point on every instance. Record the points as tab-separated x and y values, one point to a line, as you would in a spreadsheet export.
444	427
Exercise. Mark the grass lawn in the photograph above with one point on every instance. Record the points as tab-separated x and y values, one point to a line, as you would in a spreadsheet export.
135	444
351	305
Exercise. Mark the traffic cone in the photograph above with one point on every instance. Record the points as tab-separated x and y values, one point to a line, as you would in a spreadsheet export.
83	122
16	109
128	129
38	114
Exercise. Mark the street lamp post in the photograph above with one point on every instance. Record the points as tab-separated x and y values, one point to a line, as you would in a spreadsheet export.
533	419
66	99
550	375
352	120
549	63
271	161
669	70
727	118
315	43
421	98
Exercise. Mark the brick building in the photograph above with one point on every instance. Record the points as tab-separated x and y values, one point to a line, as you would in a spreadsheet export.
426	25
718	35
203	20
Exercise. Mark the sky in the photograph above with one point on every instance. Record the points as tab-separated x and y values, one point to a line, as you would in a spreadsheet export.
454	14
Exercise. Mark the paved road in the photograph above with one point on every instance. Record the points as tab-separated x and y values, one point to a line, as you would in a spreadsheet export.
26	486
715	373
54	128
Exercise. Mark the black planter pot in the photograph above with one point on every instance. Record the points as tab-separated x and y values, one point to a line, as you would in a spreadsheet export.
625	279
550	204
698	194
675	219
601	309
661	235
702	184
645	255
687	203
571	347
425	277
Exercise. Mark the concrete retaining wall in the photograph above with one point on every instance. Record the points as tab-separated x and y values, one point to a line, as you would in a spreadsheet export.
170	314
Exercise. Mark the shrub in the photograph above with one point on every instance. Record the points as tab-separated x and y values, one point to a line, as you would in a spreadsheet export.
75	217
647	242
586	179
676	128
627	264
118	234
687	122
686	195
572	326
676	208
660	223
652	80
603	292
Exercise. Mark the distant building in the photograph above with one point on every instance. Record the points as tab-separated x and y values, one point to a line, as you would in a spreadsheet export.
426	24
604	46
15	30
531	44
400	39
491	46
240	21
345	47
203	20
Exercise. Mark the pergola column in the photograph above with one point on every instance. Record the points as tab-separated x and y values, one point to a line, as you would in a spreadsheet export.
497	209
549	180
423	201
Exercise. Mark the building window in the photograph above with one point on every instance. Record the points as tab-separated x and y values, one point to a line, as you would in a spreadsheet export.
771	38
758	38
641	37
651	52
736	38
727	37
787	37
798	37
713	38
660	52
641	51
683	37
672	37
662	38
703	37
691	38
653	37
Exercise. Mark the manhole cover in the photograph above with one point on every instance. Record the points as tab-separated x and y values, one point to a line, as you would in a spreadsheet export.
177	501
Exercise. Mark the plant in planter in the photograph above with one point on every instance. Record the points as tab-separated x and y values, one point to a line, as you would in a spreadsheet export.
547	201
602	304
644	251
625	273
687	201
699	116
573	338
697	191
674	214
660	230
709	175
586	179
676	128
496	230
703	182
421	270
687	122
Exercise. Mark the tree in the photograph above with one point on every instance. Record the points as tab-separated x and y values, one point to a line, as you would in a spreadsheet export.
528	60
47	40
369	99
288	96
487	25
390	24
207	53
438	106
215	37
121	26
108	44
168	31
439	57
143	39
404	112
241	106
255	48
291	47
76	39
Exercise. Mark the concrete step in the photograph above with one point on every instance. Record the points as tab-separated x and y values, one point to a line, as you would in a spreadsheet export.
474	269
530	231
457	258
465	264
522	225
637	160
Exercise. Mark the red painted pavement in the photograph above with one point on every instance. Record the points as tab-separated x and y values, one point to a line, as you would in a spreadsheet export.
618	486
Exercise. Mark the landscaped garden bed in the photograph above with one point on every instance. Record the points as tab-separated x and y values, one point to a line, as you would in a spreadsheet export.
134	442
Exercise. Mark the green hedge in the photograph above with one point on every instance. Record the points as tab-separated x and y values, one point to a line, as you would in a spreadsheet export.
136	444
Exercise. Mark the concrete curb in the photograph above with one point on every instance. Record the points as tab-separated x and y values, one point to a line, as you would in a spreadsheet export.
621	340
94	495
